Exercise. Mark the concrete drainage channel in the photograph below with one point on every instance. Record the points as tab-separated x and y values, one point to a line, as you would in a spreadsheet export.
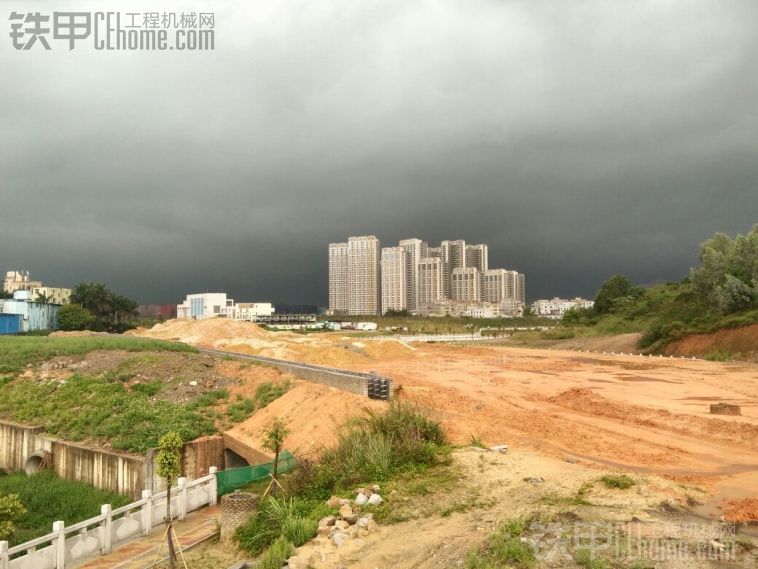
369	385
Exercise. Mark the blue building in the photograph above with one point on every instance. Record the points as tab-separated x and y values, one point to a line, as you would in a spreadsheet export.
31	316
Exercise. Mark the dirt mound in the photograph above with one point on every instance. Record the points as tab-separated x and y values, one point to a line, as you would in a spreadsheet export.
573	395
745	510
77	334
733	343
313	414
246	337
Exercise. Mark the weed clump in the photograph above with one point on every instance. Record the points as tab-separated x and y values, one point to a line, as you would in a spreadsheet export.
618	481
504	548
294	520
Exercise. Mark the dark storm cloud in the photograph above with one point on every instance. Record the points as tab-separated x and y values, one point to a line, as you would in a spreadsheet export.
576	139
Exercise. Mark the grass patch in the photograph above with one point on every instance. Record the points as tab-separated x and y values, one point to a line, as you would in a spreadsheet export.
719	356
17	352
504	548
584	558
48	498
618	481
101	408
276	555
267	392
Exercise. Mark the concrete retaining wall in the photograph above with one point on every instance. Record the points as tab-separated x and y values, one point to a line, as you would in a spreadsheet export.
346	380
118	472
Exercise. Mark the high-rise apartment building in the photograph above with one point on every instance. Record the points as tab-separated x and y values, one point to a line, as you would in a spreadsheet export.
394	279
338	295
465	284
453	257
520	292
494	285
430	283
415	250
477	256
363	281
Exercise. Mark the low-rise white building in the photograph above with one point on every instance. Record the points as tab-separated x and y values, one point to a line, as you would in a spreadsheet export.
218	305
557	307
251	311
205	305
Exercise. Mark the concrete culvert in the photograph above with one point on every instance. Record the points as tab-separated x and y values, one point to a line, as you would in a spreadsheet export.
37	461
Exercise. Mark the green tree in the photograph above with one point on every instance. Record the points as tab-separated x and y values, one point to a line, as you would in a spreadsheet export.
618	286
10	509
169	462
273	440
727	279
74	317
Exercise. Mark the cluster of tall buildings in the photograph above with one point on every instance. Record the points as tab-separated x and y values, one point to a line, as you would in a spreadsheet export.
451	279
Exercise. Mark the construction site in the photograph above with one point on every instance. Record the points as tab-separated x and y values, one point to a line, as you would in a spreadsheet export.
689	421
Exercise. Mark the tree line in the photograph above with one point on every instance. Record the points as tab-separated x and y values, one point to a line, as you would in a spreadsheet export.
93	306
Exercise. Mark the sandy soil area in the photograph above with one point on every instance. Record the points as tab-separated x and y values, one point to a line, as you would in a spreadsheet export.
632	413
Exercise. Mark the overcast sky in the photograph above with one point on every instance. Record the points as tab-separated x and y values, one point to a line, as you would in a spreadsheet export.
577	139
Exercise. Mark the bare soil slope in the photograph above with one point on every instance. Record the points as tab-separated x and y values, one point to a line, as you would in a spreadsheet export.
733	343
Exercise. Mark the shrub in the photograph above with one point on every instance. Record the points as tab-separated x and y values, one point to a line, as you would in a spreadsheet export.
620	481
74	317
299	530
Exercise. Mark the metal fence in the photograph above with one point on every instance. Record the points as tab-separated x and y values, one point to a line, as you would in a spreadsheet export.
235	478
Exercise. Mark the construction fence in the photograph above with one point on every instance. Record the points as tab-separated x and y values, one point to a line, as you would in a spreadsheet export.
235	478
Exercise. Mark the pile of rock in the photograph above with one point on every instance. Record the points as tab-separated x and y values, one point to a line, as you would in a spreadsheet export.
350	522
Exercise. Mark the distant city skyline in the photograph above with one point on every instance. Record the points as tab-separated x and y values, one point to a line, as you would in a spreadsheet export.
449	279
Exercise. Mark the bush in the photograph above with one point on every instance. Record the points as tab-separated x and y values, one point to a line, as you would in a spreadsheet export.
74	317
372	448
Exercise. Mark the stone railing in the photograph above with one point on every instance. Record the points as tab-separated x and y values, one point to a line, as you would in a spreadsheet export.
67	545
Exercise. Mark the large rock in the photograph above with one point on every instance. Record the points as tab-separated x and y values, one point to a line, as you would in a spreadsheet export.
327	521
375	500
339	539
347	514
341	524
361	499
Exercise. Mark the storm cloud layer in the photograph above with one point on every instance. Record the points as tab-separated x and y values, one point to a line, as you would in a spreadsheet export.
577	139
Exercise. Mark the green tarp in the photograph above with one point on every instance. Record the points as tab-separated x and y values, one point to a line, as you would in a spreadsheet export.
234	478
